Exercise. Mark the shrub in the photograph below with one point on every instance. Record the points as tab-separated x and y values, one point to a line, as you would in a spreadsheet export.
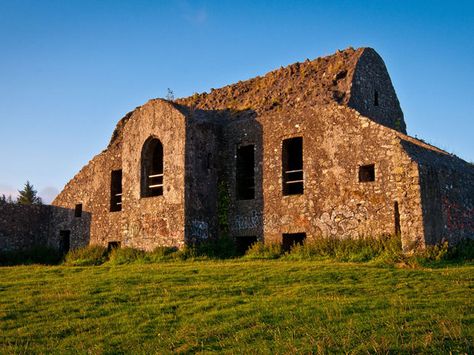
260	250
119	256
89	255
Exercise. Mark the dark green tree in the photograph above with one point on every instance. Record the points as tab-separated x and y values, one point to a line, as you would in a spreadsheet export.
4	199
28	196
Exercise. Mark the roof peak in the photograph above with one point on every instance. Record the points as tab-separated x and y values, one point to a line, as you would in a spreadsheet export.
324	79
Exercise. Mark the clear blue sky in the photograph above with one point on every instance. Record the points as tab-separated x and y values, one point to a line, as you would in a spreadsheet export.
69	70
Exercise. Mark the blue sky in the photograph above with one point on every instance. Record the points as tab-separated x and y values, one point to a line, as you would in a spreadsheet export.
69	70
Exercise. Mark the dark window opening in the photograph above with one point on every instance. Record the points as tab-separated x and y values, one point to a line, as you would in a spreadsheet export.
208	160
376	98
116	191
245	179
64	241
367	173
78	210
242	244
292	163
398	230
112	245
292	239
152	168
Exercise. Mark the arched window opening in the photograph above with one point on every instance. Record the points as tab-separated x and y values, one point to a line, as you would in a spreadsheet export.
152	168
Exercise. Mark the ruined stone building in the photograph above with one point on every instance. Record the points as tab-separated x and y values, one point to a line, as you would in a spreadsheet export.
313	149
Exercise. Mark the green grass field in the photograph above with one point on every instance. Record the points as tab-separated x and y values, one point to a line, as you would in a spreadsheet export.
236	306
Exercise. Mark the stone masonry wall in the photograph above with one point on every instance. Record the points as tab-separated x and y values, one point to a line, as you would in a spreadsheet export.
336	141
245	216
22	226
91	188
25	226
201	180
371	79
154	221
447	185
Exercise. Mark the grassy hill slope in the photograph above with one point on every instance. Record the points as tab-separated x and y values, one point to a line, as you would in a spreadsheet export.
236	306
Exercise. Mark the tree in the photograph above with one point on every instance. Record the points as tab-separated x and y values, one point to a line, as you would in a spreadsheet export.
28	196
4	199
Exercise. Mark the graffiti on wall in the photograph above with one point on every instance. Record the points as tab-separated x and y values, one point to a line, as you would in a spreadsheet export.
342	221
251	221
199	229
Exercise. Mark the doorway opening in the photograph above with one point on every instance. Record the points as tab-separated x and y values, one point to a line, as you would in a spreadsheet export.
242	244
64	241
292	239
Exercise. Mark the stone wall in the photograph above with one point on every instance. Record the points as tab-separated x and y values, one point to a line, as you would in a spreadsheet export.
336	141
25	226
91	188
201	180
372	92
447	186
160	220
245	216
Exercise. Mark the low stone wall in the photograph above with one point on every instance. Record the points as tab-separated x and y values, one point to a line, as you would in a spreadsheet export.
25	226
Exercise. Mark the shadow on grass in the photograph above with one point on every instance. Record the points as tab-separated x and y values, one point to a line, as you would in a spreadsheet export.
35	255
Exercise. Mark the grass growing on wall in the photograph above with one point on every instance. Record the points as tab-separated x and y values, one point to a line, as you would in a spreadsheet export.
236	306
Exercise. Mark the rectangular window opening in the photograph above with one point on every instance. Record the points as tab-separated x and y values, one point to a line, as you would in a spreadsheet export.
292	163
78	210
292	239
64	241
245	175
242	244
208	160
116	191
376	98
367	173
398	230
113	245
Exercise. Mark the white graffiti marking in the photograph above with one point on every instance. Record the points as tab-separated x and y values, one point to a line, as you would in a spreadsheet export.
252	221
199	229
342	222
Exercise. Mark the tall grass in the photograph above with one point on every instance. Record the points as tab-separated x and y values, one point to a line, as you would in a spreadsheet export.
87	256
385	250
259	250
348	249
